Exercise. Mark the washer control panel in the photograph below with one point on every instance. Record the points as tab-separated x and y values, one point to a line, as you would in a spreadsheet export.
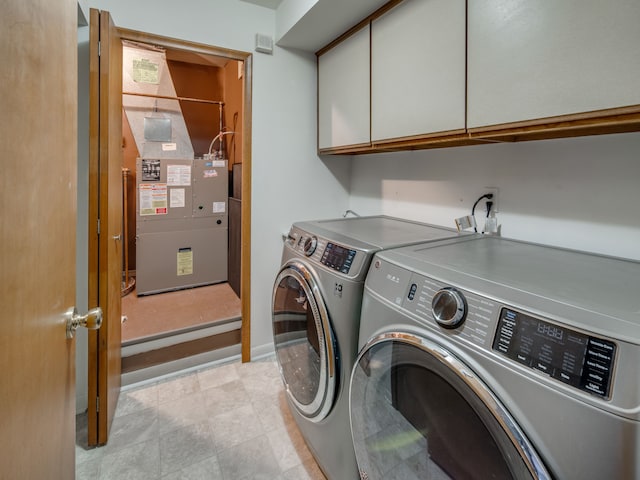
340	258
572	357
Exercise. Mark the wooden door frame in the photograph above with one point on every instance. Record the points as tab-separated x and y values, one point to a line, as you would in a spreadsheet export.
105	222
245	249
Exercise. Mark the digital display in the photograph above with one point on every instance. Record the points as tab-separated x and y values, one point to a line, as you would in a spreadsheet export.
571	357
338	257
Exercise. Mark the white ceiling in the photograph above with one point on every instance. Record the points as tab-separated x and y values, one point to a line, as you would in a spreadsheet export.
265	3
324	22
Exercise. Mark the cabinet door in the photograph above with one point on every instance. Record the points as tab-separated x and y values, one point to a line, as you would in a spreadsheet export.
535	59
418	69
344	93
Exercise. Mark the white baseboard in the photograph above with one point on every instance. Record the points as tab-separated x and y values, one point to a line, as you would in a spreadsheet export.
176	368
262	351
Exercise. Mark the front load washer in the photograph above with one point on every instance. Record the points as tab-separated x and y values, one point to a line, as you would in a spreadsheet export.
494	358
317	297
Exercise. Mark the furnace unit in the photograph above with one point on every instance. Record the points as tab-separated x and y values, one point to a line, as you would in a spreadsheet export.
181	228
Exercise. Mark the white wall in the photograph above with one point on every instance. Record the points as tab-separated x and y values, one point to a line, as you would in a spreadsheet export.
289	181
581	193
289	13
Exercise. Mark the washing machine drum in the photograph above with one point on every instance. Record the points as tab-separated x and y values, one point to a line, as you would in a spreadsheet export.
305	343
419	413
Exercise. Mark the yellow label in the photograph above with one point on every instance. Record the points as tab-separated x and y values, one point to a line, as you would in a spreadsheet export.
185	262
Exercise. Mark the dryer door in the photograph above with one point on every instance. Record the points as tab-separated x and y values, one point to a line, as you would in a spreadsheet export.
419	412
304	341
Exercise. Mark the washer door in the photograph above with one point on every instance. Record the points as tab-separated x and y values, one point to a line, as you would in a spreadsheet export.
418	412
304	341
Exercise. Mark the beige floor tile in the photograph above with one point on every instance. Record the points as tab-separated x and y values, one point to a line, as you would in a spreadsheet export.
235	427
208	469
214	377
230	422
226	397
252	459
134	428
181	413
138	399
177	388
138	462
185	447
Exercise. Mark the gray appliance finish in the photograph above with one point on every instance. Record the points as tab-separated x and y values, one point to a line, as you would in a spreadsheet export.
533	352
316	310
181	224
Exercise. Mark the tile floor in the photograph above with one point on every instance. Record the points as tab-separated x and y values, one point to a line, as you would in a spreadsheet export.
229	422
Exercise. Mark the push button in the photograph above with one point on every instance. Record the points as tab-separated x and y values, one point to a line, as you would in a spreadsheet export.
412	291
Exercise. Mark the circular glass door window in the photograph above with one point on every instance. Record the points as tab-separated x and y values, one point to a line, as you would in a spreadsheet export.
304	341
417	415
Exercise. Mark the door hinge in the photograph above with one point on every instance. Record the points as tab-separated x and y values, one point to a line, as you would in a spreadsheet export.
97	404
99	48
98	226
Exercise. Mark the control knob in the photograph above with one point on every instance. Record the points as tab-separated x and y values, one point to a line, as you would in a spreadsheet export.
449	307
310	245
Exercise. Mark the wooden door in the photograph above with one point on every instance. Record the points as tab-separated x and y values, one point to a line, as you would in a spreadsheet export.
38	142
105	220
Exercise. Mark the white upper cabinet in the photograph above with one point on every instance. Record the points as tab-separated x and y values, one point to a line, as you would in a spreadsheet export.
344	93
418	69
532	59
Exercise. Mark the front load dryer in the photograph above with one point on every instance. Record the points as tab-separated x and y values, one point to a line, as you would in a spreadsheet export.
317	297
493	358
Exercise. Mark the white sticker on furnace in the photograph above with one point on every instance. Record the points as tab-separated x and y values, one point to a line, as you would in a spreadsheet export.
219	207
176	198
178	175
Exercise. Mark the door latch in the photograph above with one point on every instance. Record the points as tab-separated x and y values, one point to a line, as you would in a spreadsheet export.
92	320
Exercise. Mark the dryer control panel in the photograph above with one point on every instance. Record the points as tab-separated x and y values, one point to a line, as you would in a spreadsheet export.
567	355
575	358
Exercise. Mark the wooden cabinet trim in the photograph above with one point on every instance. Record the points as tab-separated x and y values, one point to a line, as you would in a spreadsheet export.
359	26
599	122
616	120
622	120
611	115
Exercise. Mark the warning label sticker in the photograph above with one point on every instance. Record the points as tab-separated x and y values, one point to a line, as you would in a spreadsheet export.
185	261
153	198
145	71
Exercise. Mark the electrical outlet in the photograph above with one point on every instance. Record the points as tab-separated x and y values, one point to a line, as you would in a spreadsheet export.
495	191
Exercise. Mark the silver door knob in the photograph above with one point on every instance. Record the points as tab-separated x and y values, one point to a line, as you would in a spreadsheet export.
92	320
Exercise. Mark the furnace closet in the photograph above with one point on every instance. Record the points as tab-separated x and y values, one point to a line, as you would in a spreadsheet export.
182	161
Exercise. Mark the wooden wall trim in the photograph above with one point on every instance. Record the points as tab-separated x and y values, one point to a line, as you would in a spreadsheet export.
176	44
245	250
359	26
93	253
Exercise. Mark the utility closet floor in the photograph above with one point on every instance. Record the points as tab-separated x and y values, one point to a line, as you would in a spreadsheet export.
229	422
153	315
